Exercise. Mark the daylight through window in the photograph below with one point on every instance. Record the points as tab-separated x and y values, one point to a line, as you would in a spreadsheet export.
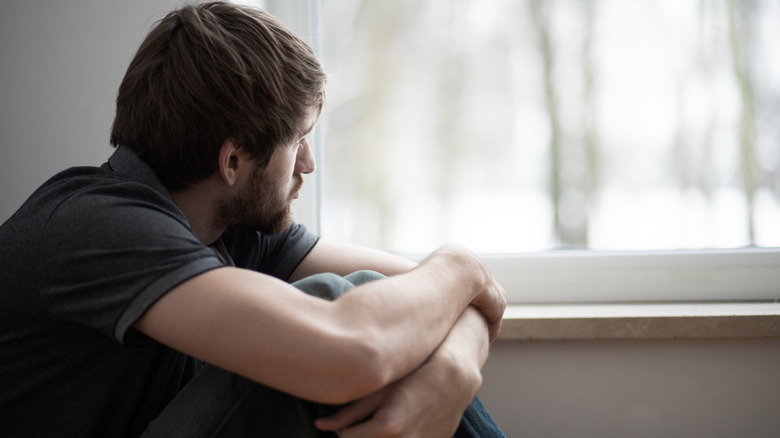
524	125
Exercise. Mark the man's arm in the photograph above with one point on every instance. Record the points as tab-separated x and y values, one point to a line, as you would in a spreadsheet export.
344	259
268	331
431	400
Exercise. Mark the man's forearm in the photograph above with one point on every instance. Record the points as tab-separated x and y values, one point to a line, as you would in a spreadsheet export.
413	313
460	357
431	400
343	259
462	346
467	343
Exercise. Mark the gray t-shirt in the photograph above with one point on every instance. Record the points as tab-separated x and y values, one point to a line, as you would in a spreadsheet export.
82	260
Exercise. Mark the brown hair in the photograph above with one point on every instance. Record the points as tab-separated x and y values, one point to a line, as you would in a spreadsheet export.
209	72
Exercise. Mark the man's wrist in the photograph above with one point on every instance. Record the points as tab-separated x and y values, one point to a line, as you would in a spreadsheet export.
456	368
465	350
464	266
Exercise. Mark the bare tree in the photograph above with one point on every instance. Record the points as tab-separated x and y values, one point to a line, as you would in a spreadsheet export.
591	181
450	70
372	151
539	13
570	193
739	19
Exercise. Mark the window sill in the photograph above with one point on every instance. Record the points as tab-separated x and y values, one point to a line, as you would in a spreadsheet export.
641	321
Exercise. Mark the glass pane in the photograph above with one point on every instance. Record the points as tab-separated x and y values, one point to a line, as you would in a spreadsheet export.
524	125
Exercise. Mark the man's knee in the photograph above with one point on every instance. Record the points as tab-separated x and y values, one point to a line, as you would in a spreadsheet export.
360	277
326	285
331	286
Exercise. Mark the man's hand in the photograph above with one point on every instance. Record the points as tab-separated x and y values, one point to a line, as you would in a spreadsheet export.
430	401
490	298
344	259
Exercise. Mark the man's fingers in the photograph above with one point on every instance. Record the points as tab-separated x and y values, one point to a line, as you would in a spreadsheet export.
349	415
376	427
492	304
495	327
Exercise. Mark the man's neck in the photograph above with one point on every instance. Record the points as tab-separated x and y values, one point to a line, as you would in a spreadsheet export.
197	203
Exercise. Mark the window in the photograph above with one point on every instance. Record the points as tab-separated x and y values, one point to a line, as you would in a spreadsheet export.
519	126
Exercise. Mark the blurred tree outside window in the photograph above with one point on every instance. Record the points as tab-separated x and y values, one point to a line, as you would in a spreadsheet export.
525	125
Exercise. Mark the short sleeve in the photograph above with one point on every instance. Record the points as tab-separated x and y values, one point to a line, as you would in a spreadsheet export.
276	255
112	251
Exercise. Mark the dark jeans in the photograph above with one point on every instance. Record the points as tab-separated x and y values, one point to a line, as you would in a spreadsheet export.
217	403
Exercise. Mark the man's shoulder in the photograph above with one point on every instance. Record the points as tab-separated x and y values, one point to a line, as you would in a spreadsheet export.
97	203
94	191
73	185
97	182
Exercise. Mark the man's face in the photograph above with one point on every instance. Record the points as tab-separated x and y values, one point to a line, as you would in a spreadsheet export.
265	202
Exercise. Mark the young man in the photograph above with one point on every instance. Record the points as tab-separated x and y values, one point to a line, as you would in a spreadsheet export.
118	283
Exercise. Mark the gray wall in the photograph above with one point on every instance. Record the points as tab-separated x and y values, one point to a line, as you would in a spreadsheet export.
651	388
62	62
61	67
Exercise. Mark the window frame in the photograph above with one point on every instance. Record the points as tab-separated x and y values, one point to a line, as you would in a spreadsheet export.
729	275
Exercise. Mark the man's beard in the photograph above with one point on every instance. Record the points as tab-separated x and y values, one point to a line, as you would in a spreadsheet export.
259	205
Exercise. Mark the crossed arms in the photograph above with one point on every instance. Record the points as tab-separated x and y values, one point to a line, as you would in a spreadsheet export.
360	346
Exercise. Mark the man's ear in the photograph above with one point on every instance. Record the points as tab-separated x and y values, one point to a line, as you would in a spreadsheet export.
231	161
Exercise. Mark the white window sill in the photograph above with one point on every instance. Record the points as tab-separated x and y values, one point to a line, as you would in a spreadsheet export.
733	275
641	321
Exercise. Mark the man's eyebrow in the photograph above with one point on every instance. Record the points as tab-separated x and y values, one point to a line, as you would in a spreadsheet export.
308	131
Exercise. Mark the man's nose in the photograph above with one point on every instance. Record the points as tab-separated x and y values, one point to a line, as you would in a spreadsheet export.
305	161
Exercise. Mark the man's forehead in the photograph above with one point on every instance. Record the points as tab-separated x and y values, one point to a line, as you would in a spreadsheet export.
309	121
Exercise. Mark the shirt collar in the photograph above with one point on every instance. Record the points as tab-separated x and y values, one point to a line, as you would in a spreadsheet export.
126	163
